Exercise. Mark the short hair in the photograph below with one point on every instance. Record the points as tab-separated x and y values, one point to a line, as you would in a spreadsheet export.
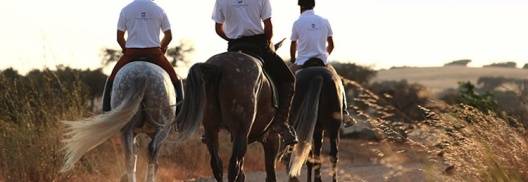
306	3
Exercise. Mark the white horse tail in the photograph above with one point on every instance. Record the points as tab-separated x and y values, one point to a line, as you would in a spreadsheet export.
305	121
200	77
83	135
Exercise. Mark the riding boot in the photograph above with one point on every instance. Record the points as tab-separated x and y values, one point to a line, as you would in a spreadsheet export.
280	122
107	93
345	101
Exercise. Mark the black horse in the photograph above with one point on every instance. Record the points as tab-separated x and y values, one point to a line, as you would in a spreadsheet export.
317	108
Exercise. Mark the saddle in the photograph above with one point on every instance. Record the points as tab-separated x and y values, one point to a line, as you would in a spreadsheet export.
313	62
142	59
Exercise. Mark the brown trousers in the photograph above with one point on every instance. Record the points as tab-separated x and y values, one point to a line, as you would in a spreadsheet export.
152	55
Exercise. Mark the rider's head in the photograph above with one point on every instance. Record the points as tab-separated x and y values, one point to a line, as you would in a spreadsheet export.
306	4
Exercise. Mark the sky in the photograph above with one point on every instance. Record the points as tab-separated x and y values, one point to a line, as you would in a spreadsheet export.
375	33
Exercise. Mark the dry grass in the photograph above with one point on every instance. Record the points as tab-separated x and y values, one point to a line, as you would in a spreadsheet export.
458	141
461	143
191	160
30	137
475	146
438	79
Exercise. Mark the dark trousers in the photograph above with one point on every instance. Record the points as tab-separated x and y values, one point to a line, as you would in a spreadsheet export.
152	55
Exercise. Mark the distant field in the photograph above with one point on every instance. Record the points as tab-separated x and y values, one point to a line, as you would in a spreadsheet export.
438	79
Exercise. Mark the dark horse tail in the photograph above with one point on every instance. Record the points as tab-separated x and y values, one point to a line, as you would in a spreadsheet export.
201	75
305	121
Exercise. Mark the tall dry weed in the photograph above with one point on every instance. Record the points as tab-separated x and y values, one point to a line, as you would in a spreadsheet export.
30	134
30	137
475	146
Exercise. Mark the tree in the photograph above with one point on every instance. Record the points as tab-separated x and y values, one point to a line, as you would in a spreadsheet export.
110	55
503	65
176	55
462	62
10	73
180	54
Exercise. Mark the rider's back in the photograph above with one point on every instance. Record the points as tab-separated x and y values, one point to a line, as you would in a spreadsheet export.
242	17
143	20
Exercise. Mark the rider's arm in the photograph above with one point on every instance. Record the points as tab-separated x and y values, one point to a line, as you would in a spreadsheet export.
293	49
219	28
330	46
167	37
121	40
268	29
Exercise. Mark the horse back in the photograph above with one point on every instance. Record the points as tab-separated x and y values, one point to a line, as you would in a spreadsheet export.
158	97
330	100
240	86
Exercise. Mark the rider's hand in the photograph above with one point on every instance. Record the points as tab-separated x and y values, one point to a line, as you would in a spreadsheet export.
163	50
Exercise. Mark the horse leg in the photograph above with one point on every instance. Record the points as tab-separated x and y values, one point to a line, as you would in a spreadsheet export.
271	148
309	167
130	155
334	142
154	147
211	139
318	142
236	162
286	161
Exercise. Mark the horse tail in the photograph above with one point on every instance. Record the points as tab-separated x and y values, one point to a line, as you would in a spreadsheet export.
305	122
201	75
83	135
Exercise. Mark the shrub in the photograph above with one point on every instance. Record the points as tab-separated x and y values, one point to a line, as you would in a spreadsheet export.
404	96
351	71
468	95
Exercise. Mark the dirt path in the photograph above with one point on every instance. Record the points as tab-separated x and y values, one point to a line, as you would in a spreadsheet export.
375	172
368	161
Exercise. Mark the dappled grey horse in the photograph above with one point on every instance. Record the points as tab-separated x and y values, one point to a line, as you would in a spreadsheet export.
143	101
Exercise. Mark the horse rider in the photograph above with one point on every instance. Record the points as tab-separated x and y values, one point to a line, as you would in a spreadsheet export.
143	20
240	23
312	40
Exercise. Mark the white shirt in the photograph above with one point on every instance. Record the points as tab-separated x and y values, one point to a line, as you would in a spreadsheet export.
241	18
311	32
143	19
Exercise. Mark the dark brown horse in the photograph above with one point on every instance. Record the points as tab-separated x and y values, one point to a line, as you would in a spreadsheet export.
317	108
230	91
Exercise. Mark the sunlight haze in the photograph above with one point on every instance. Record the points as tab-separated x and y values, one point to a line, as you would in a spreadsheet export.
377	33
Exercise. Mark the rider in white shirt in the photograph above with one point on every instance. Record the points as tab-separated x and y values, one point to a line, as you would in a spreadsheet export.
143	20
240	23
312	41
310	35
